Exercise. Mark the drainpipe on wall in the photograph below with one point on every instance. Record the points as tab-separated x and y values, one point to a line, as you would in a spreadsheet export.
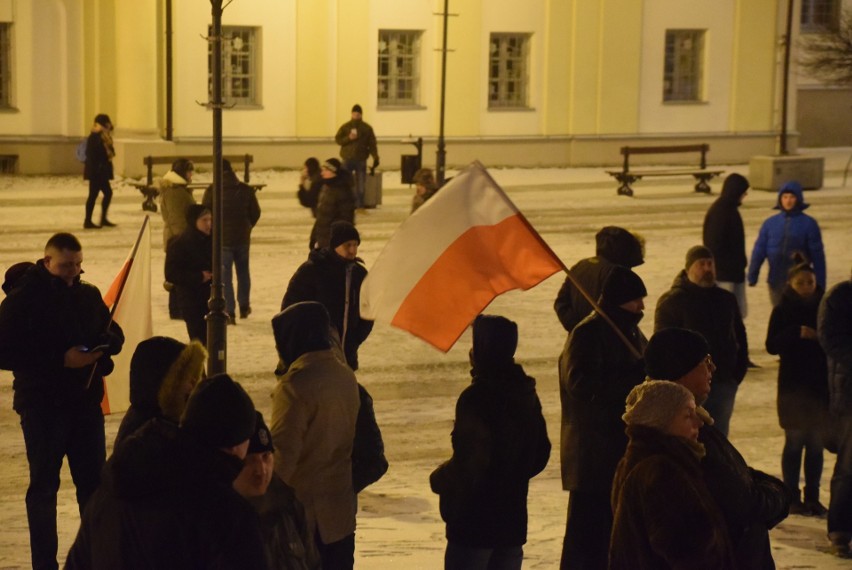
169	87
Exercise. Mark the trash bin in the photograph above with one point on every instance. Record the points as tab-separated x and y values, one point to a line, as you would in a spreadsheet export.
410	165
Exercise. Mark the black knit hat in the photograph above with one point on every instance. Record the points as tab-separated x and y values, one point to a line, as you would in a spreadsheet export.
219	413
622	286
341	232
332	164
672	353
695	253
195	211
495	340
356	108
261	439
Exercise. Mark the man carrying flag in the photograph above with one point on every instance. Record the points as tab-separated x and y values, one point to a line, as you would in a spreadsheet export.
57	338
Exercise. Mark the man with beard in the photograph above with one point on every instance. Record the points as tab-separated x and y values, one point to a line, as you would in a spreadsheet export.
695	302
598	368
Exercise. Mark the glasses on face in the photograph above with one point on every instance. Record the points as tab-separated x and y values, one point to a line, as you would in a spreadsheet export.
708	362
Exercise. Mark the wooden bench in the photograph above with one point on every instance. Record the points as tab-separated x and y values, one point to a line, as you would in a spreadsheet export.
150	191
627	176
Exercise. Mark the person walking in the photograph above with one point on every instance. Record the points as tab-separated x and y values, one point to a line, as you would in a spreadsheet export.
175	198
357	142
787	232
597	369
802	386
725	237
98	170
499	443
51	322
834	329
240	213
335	202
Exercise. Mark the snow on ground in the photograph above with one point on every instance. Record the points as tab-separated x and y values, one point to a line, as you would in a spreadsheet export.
415	386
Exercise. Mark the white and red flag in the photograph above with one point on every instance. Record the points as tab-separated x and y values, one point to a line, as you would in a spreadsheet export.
452	257
129	300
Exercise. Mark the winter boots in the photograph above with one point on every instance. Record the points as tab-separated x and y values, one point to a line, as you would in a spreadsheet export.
811	507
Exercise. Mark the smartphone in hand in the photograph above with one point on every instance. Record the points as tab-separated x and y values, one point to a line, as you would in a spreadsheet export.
99	348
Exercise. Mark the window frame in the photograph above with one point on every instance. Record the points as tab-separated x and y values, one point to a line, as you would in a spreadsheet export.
684	77
250	97
507	98
7	92
395	76
815	10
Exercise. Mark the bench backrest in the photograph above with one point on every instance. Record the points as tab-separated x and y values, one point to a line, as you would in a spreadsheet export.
628	150
150	161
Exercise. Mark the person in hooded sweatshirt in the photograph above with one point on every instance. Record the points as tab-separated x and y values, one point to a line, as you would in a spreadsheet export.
314	412
783	234
163	372
499	443
167	499
189	262
335	202
175	198
597	370
725	237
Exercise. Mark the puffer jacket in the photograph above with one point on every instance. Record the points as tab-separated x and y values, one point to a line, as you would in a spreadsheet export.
784	234
834	327
175	197
240	210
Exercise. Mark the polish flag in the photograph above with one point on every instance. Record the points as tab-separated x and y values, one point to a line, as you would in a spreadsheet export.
129	300
452	257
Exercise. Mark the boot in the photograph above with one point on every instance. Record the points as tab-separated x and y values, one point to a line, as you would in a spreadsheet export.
840	544
797	507
812	504
106	223
90	225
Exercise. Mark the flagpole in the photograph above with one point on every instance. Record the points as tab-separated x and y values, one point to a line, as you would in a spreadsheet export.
633	350
121	289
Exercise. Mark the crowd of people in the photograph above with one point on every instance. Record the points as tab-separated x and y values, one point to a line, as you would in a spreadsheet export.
196	478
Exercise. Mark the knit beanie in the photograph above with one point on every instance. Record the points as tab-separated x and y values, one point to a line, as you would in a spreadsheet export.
149	365
655	403
695	253
356	108
219	413
672	353
332	164
622	286
195	211
495	340
182	167
341	232
14	273
261	440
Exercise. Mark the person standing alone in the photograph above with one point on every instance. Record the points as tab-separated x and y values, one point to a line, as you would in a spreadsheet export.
357	141
98	170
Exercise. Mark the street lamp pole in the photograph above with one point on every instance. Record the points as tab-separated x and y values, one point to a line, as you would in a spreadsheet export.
217	319
441	158
785	88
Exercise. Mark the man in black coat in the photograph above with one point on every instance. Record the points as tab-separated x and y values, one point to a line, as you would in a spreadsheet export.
725	237
240	213
834	327
695	302
49	322
751	501
167	499
597	370
333	276
189	266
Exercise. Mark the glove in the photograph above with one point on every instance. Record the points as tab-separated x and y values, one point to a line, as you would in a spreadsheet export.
104	366
114	341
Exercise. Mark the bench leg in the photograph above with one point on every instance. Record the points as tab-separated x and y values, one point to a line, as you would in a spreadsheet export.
626	181
148	204
702	185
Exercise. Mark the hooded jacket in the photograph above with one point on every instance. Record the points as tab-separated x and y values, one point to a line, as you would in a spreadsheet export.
186	257
614	246
175	198
166	502
336	202
784	234
723	231
240	209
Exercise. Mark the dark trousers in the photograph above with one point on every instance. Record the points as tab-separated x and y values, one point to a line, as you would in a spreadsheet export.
195	317
840	505
587	530
95	187
720	404
237	256
338	555
358	168
459	557
51	434
795	441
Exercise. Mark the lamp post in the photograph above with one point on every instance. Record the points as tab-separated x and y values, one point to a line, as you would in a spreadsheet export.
441	155
785	87
217	319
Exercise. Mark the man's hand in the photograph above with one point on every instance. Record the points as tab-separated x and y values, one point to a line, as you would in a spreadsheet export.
76	358
808	333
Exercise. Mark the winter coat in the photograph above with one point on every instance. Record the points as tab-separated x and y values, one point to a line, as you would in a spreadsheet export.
336	202
308	193
99	153
664	515
314	412
751	501
166	502
240	210
715	314
835	336
596	372
175	197
614	246
499	443
359	148
40	319
289	542
803	373
368	449
186	257
784	234
724	234
335	282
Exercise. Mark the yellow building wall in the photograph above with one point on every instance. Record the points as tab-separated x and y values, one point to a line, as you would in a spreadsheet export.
754	69
556	52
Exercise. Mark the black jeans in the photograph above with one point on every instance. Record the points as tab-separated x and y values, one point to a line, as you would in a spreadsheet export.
95	187
50	434
587	530
338	555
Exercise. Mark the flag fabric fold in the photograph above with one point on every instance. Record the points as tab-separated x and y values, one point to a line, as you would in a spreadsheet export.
129	299
452	257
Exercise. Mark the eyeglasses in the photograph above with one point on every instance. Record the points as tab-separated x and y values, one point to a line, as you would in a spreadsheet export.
708	362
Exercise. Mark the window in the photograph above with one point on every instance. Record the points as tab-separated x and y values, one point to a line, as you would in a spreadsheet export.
819	15
240	66
399	68
5	65
683	67
507	71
